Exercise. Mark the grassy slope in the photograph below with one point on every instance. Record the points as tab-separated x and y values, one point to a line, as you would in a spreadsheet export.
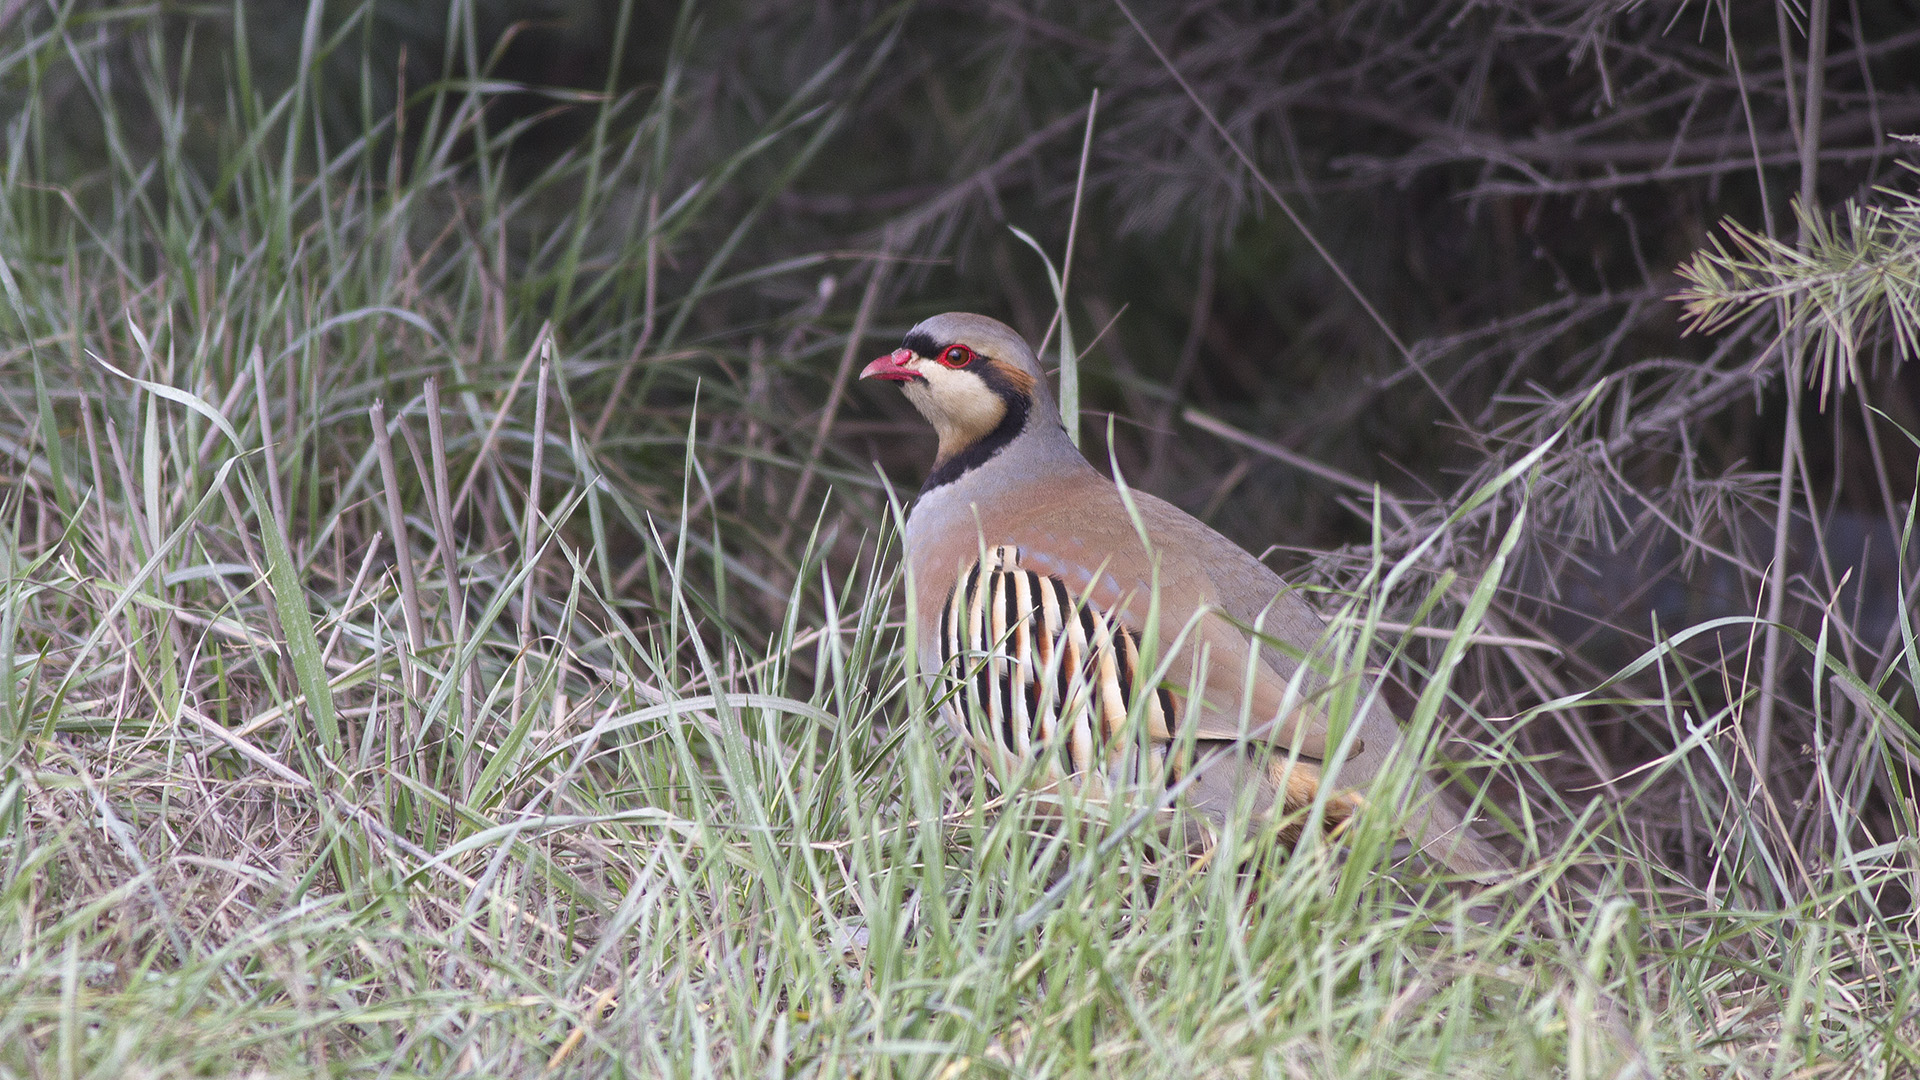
635	779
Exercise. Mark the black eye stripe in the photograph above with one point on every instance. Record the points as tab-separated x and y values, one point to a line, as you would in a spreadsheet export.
921	344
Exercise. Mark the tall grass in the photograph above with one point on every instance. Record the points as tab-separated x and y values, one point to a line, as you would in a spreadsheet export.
425	654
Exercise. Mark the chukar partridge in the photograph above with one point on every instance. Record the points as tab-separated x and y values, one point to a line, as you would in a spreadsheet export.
1036	592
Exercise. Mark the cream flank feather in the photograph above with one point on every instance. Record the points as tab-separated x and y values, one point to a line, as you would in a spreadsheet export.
1035	590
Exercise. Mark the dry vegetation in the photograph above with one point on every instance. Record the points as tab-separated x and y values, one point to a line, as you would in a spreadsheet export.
451	623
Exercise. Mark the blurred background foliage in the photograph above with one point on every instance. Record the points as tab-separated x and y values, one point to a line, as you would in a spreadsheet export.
1510	183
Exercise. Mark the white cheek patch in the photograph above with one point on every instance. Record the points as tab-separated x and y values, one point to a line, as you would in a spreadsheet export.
959	405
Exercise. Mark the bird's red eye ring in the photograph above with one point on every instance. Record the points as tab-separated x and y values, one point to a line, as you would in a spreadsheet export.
956	356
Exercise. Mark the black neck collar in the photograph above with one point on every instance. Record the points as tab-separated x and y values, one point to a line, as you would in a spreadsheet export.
983	448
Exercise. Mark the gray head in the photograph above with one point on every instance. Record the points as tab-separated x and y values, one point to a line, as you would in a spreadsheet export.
975	381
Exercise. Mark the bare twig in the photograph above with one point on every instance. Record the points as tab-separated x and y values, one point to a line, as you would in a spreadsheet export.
1299	223
441	507
1772	644
1299	461
648	314
842	375
530	543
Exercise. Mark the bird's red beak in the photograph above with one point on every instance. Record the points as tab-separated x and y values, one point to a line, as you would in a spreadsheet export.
892	367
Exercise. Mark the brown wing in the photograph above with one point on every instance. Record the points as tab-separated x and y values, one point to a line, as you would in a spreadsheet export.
1228	685
1040	634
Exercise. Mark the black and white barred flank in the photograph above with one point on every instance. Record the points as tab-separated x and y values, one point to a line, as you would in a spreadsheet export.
1036	670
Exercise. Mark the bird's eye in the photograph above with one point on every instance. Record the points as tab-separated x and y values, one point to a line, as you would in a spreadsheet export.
956	356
